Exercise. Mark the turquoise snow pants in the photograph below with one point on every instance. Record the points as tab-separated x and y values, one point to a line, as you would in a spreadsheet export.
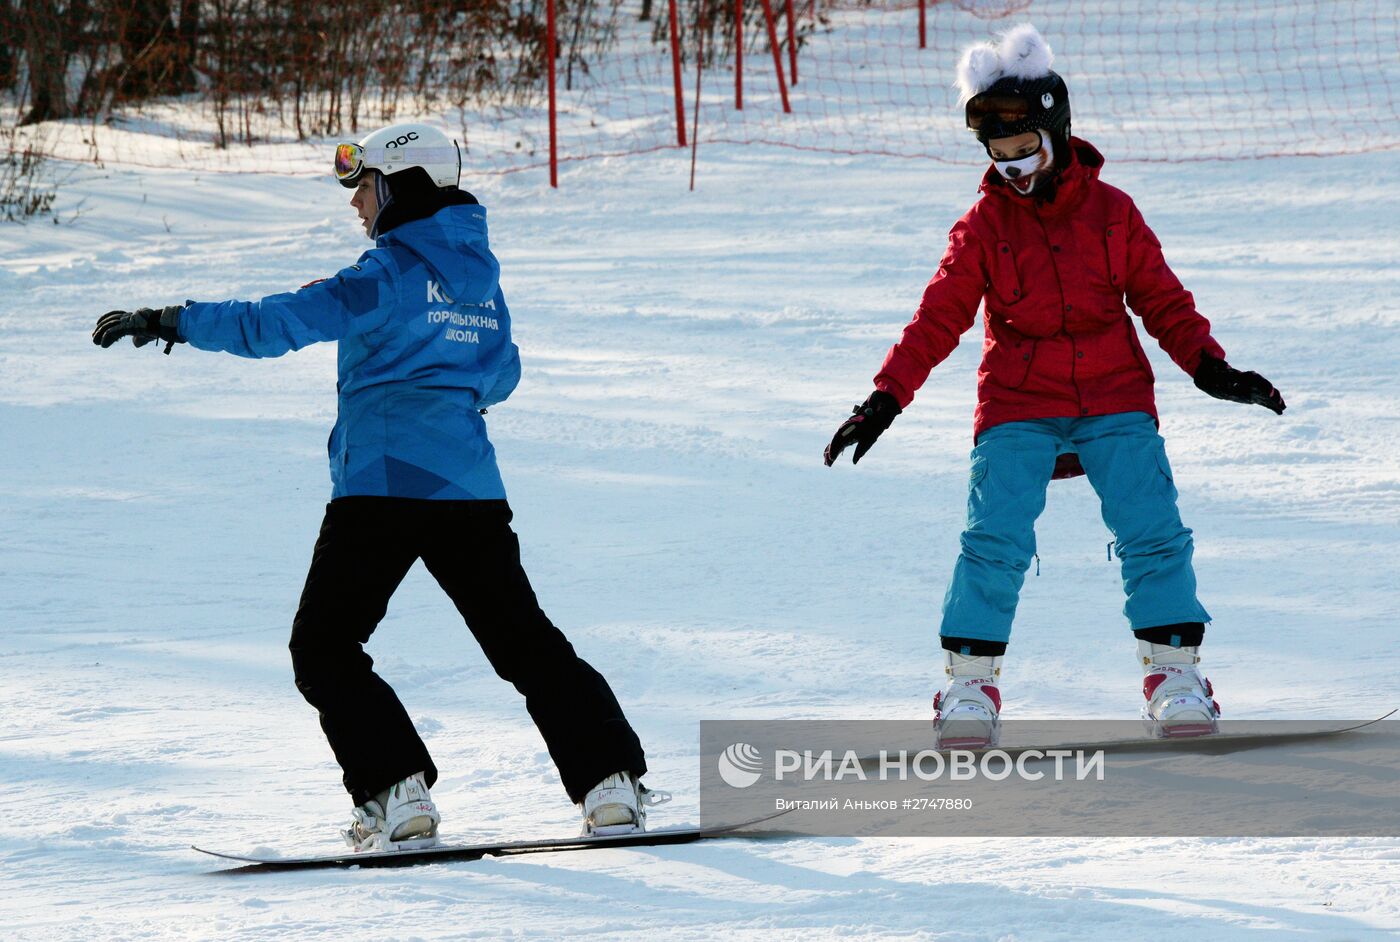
1126	463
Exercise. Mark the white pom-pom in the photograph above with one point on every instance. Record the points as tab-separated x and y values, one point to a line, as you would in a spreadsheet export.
1024	53
979	67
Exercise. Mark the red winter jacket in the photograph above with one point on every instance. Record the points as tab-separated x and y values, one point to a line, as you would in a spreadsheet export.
1054	277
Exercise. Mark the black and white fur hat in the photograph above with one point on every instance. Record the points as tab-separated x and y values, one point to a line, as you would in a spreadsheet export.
1017	66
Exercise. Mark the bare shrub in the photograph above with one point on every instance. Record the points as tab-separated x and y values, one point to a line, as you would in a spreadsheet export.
321	67
27	189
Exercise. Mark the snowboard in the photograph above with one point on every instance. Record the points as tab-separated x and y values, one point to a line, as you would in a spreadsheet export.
458	852
1214	744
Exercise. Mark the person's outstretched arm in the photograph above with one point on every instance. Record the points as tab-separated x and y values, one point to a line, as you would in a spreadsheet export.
354	301
1168	311
947	310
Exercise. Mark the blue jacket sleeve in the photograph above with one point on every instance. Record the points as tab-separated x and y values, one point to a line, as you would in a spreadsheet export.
356	300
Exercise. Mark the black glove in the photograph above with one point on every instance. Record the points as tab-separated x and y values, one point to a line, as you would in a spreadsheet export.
867	421
1215	377
142	325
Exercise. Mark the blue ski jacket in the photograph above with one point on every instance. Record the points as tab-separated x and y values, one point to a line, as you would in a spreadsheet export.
424	344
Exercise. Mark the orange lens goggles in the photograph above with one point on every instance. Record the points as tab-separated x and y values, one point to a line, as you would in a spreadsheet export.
1006	109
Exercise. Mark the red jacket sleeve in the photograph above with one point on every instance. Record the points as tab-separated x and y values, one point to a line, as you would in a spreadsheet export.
948	309
1167	309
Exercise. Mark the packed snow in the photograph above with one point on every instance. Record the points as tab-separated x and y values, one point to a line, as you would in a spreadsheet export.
686	358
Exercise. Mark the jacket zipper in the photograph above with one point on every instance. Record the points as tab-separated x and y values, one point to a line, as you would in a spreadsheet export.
1074	347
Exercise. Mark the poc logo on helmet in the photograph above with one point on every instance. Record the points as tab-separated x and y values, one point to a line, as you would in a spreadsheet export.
402	139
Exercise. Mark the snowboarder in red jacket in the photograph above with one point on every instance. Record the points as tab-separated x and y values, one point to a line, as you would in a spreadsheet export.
1057	257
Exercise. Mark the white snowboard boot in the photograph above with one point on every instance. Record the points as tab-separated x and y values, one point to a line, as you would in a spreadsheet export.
402	818
967	713
1179	700
618	805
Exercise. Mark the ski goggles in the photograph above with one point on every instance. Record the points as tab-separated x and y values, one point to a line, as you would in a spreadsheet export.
349	161
999	109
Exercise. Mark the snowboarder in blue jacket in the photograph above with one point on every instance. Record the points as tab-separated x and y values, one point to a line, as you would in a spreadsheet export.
424	349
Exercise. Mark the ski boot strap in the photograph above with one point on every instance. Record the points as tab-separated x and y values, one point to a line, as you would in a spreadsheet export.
1151	654
963	666
648	797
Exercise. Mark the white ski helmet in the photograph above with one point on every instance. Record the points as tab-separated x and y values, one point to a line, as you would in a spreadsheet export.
400	147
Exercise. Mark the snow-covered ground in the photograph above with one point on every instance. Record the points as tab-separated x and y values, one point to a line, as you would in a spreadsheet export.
687	355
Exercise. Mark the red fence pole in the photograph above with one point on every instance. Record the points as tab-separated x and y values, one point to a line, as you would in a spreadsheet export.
923	24
553	127
676	75
792	40
739	55
777	54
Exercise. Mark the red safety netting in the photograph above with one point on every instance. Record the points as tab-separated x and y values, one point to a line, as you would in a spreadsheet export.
1160	81
1156	80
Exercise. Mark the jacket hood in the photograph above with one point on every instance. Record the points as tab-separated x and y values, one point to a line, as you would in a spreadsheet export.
1084	166
441	240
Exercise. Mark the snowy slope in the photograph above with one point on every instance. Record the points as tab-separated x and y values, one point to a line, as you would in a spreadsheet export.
686	358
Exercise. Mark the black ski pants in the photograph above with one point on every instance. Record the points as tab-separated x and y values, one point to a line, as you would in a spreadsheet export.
364	550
